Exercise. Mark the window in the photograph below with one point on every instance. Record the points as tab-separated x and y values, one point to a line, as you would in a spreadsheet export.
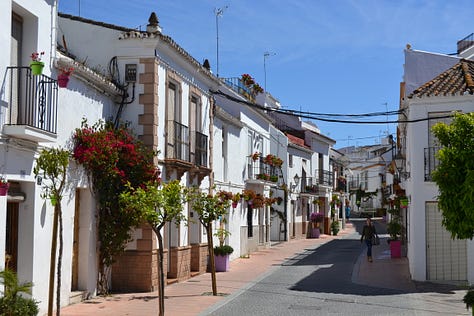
290	160
174	108
195	111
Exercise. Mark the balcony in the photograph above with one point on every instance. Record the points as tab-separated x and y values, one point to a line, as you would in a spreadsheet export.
309	185
431	161
263	171
465	43
177	142
185	153
324	177
236	84
32	106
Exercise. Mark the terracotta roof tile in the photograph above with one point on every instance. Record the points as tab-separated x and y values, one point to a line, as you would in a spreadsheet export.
457	80
296	140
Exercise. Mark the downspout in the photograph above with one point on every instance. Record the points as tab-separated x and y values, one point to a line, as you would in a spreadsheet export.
212	103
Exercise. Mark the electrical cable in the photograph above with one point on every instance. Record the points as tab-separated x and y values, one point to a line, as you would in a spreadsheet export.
314	116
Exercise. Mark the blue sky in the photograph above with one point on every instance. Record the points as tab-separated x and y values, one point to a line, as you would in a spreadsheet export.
337	56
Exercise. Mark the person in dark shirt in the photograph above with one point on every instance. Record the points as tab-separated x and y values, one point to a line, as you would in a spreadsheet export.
368	232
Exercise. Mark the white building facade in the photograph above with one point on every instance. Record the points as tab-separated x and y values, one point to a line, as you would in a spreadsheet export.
433	255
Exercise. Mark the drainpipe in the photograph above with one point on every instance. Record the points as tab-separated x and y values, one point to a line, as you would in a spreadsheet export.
212	103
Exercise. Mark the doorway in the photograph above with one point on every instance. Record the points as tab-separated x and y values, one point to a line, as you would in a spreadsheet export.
11	240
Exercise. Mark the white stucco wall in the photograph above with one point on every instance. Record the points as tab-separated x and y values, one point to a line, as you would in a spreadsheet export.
417	189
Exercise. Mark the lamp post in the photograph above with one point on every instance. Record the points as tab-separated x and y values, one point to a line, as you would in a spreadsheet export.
218	12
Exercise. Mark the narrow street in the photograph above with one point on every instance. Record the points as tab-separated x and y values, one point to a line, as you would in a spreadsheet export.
320	281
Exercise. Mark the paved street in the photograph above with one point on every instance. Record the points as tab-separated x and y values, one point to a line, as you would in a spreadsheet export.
325	276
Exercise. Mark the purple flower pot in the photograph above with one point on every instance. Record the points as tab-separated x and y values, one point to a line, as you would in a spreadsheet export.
222	263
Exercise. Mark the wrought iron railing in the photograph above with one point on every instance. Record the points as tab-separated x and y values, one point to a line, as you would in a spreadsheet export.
465	43
177	141
33	100
431	161
324	177
260	170
309	185
200	151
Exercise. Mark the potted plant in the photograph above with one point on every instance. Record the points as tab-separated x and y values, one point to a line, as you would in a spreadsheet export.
255	156
335	227
274	178
235	199
63	77
36	64
258	201
316	219
222	252
4	185
394	229
469	300
249	195
12	302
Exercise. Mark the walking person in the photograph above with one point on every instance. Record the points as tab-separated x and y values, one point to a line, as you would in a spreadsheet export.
368	233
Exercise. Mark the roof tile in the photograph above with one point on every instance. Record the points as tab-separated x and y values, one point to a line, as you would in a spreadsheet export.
457	80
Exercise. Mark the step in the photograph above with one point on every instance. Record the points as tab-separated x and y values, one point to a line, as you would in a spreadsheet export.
77	297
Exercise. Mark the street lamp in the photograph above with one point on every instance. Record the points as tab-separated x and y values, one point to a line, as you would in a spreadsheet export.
400	160
296	181
218	12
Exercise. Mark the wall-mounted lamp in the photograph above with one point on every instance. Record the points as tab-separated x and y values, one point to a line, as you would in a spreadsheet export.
400	160
296	181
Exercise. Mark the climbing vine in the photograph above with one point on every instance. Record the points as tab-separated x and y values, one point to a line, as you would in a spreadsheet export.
112	158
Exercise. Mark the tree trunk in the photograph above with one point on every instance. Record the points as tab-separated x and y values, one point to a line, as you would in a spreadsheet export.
210	247
52	265
60	259
161	273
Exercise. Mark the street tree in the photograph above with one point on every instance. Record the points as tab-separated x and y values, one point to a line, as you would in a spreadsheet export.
455	174
209	208
157	206
52	166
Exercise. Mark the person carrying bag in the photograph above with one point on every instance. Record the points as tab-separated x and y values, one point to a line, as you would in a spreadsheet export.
371	238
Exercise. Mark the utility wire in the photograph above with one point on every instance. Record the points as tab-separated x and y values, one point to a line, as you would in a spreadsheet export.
317	116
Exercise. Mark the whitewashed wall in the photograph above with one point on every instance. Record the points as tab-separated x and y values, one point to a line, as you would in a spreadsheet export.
417	189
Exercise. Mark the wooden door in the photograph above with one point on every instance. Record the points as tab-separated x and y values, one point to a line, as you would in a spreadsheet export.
11	240
75	244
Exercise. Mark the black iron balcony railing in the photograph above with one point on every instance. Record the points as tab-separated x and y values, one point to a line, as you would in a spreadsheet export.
309	185
324	177
261	170
431	162
465	43
33	100
200	151
177	141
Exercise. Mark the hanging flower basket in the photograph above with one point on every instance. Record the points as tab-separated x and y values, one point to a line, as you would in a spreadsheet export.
37	67
63	80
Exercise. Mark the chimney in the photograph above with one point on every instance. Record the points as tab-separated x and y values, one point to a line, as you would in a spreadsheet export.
206	64
153	26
